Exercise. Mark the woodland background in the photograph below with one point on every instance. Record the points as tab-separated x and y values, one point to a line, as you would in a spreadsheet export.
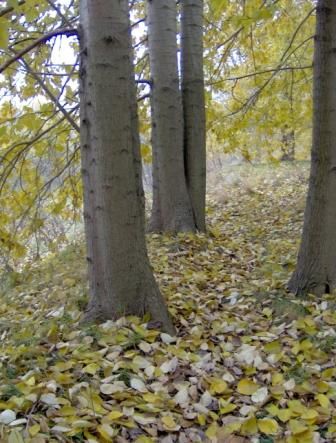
250	362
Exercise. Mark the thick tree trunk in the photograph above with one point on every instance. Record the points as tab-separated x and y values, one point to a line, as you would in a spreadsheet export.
193	105
316	267
121	280
174	212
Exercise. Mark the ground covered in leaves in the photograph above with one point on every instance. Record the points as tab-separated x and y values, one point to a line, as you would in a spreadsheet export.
250	363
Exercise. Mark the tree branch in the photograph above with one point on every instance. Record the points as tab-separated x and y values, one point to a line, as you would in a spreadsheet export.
39	41
54	99
144	81
59	12
10	9
252	74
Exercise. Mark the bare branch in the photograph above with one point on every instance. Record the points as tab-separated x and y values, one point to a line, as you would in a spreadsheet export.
59	12
144	81
143	97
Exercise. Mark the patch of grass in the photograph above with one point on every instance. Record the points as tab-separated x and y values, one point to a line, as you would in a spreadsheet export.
132	342
125	375
286	308
10	391
93	331
298	373
326	344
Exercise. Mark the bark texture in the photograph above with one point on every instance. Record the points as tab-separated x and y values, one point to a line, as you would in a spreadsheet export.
316	266
194	105
171	202
121	280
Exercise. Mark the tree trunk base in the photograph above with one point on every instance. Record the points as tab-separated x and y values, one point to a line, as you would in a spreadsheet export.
152	304
302	285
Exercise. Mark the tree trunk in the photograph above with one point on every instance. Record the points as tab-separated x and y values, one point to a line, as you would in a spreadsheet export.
316	267
174	213
288	145
121	280
194	106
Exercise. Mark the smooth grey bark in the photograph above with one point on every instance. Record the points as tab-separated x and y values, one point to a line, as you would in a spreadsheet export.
174	213
121	280
316	267
194	105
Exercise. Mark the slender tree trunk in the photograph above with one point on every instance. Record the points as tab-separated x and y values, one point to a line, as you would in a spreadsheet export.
288	145
156	222
316	267
121	280
194	105
174	212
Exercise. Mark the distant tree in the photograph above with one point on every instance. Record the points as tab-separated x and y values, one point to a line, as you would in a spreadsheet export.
121	280
172	209
193	101
316	266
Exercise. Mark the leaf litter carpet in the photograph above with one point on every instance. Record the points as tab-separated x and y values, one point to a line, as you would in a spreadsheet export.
251	363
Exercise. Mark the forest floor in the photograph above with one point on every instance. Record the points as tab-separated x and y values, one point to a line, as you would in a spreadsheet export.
251	363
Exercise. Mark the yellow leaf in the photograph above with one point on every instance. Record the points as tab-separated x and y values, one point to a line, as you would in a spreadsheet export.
273	347
91	369
201	419
329	373
107	432
226	407
272	409
63	366
268	426
30	381
151	398
304	437
94	402
296	406
249	427
67	411
305	345
323	400
211	432
332	429
228	429
297	426
277	378
284	415
247	387
217	386
35	429
323	386
169	422
63	378
310	414
114	415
